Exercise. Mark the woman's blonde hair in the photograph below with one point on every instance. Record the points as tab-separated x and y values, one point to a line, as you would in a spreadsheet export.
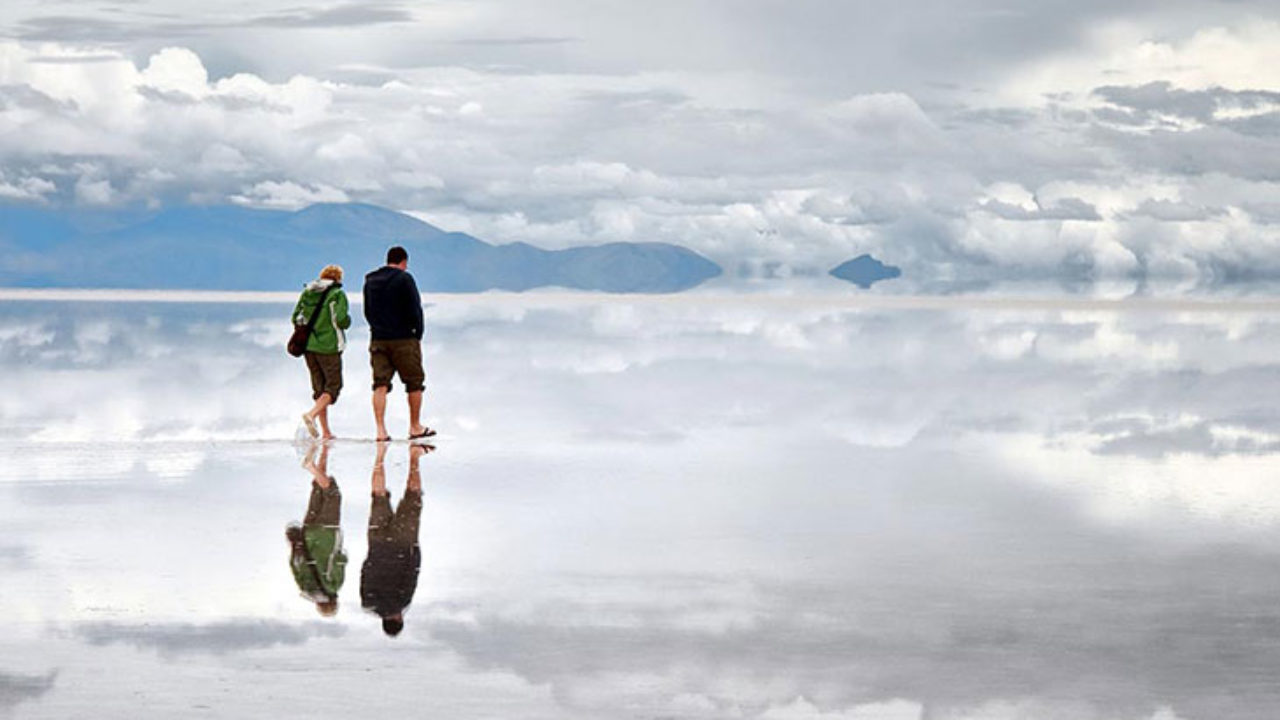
331	272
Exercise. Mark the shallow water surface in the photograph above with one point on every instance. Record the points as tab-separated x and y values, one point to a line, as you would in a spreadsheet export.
638	508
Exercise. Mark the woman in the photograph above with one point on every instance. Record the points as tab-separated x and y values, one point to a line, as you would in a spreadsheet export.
325	344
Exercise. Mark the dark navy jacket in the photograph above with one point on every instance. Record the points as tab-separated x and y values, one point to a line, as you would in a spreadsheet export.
392	305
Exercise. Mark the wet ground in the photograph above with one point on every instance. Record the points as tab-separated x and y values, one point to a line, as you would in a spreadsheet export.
700	507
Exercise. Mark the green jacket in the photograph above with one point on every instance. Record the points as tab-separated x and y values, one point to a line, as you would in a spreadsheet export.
319	569
327	337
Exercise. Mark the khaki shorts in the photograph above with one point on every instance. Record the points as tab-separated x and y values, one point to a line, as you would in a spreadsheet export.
326	374
397	357
324	509
399	527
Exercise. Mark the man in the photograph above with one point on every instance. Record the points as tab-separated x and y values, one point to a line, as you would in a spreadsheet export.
393	309
389	576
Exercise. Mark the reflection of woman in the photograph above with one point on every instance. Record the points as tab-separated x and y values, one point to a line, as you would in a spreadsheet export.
316	556
325	345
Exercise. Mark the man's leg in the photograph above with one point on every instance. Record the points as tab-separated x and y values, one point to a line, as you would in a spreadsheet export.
415	409
414	482
379	477
380	411
404	526
409	365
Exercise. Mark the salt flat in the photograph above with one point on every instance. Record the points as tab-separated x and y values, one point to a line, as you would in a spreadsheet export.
682	507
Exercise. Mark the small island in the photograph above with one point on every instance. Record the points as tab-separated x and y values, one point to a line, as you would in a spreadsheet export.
864	271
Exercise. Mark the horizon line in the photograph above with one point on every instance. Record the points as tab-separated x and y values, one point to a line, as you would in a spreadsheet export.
560	296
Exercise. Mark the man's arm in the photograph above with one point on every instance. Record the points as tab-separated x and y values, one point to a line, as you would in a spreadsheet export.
415	304
365	292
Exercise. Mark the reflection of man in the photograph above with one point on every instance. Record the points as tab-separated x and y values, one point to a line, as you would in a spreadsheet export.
316	556
390	573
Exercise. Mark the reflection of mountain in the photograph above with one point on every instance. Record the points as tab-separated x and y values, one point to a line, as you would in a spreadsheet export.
864	271
238	248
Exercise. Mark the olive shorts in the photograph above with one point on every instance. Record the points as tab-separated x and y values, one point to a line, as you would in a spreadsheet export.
326	374
397	357
399	527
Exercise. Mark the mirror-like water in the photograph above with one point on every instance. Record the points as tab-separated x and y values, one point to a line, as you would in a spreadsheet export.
640	508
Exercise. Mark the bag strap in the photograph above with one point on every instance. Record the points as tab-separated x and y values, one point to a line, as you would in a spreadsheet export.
315	314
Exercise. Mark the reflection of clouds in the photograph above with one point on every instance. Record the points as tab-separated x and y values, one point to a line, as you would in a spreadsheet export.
215	638
1237	490
14	557
1157	438
1113	638
704	509
22	336
567	366
17	688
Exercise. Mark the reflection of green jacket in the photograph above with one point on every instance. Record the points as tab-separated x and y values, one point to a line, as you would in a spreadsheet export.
327	337
324	552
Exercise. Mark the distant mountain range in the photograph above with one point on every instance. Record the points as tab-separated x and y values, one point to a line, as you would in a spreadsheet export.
238	248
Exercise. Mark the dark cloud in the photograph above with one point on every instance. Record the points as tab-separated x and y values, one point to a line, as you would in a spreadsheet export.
515	41
1146	442
1012	118
229	103
76	59
1211	149
27	97
1261	125
634	98
341	16
215	638
1267	213
1174	211
140	27
1145	103
89	30
1069	208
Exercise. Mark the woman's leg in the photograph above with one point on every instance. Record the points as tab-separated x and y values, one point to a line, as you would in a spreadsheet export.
323	417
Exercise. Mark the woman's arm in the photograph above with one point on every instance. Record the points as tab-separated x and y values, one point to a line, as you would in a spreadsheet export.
344	316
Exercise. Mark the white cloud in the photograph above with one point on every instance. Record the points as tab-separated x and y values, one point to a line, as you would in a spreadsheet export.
288	195
94	192
1244	57
778	183
28	188
176	70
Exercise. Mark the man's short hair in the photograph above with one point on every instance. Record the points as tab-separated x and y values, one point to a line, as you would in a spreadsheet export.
392	626
397	255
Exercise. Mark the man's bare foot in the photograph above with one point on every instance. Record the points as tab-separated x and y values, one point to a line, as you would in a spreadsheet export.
310	422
